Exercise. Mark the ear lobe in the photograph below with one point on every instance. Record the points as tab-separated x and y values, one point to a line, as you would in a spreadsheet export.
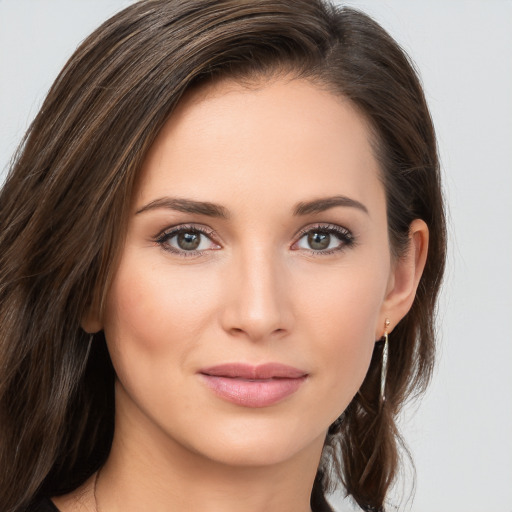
91	322
406	274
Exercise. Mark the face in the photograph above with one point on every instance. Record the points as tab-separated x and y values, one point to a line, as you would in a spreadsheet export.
256	274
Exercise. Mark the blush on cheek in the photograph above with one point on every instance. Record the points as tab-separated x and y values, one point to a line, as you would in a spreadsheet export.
155	307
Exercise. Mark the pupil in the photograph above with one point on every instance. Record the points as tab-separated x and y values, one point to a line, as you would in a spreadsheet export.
188	241
318	240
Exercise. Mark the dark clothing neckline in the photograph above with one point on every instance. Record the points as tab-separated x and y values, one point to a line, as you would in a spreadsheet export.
44	505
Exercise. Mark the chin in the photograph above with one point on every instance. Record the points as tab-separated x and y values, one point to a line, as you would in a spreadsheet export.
259	443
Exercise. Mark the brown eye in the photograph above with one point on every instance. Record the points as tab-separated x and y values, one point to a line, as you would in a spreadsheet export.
319	240
189	240
325	239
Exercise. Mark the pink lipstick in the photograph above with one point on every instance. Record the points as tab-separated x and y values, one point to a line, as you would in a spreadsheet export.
253	386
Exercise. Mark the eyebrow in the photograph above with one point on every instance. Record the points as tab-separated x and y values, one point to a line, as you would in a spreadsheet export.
325	203
187	206
219	211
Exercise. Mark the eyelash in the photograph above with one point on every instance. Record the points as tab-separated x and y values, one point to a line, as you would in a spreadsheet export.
163	238
344	235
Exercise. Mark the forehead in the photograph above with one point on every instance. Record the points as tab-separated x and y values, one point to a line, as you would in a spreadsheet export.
227	139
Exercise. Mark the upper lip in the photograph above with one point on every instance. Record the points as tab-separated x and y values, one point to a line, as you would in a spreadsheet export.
254	372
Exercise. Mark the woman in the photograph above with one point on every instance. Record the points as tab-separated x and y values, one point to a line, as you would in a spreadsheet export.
222	243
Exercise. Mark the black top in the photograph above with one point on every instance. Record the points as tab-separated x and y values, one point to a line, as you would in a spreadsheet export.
46	505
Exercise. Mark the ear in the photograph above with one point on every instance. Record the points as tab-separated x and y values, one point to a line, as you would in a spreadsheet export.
405	276
91	321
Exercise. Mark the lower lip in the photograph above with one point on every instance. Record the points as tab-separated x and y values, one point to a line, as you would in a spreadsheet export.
253	393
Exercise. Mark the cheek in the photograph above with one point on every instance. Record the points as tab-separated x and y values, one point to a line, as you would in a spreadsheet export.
341	316
343	302
152	311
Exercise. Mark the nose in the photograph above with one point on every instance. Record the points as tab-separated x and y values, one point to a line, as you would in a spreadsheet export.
257	302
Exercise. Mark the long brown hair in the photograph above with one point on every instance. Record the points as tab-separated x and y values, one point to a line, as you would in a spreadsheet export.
64	206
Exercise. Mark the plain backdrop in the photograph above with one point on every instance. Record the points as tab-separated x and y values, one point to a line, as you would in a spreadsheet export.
460	434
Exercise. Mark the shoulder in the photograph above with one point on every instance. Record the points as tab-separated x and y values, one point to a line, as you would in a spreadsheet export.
43	505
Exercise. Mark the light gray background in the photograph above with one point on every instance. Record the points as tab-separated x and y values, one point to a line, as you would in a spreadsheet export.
460	434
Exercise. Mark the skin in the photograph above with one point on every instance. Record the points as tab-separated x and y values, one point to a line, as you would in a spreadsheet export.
255	292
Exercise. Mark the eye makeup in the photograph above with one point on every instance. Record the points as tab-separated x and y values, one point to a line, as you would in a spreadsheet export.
196	240
320	238
189	237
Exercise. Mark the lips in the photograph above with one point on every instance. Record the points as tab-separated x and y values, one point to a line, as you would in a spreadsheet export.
253	386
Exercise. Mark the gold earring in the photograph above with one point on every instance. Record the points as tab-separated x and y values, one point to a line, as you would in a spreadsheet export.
384	367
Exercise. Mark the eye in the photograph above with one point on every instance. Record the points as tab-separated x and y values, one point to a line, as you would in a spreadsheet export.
325	239
187	241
